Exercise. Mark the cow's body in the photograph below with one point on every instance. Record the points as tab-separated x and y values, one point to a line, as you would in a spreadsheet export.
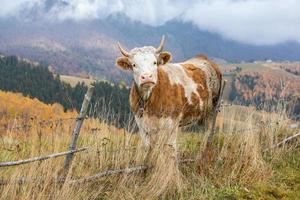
185	92
165	96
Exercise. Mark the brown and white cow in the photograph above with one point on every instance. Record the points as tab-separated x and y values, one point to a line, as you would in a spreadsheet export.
165	96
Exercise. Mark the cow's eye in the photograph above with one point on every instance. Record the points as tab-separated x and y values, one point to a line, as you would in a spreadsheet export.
155	63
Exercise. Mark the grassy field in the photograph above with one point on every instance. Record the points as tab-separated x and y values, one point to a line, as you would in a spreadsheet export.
73	80
245	66
236	167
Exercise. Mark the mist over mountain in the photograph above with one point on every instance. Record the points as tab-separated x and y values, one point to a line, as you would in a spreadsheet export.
89	46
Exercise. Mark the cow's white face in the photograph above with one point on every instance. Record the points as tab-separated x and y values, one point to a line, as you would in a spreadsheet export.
144	68
144	63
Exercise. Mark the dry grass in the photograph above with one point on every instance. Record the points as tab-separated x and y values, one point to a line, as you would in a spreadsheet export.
236	159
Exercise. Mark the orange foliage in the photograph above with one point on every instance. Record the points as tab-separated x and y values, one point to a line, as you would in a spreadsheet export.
16	106
267	85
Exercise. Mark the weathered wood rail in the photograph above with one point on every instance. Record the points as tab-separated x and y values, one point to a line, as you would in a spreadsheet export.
41	158
283	142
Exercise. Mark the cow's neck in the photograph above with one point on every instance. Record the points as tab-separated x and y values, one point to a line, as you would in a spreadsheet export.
143	94
140	100
142	97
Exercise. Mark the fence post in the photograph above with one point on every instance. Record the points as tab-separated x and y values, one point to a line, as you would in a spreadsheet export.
76	130
215	114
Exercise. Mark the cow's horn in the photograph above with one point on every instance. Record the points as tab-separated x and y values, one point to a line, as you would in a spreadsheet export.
161	45
123	51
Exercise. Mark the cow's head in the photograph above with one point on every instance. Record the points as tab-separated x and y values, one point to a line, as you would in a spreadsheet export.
144	63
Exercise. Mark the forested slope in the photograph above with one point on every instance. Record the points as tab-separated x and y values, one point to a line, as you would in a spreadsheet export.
36	81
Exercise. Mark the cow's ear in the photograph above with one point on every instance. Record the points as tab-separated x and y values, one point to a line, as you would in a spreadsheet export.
164	57
124	63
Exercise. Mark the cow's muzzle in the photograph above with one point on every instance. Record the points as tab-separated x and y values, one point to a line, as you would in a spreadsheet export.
146	80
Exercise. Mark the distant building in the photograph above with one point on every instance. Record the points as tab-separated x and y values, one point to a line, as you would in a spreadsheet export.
269	61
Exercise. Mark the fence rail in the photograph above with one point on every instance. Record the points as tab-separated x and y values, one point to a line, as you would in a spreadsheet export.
110	173
40	158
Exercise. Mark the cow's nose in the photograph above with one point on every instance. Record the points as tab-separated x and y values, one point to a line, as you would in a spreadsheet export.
146	78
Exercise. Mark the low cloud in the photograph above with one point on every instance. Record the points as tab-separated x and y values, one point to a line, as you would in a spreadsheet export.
248	21
252	21
13	8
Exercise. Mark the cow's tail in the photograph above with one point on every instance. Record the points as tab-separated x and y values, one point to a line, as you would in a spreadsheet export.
220	77
221	85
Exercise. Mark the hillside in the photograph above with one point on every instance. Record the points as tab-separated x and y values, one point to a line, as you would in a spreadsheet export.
264	84
89	47
14	106
36	81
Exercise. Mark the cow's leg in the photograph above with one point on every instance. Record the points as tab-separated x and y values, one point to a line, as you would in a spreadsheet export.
172	142
205	122
145	139
214	115
209	121
143	132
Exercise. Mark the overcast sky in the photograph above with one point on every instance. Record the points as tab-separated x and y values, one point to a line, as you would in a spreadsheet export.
249	21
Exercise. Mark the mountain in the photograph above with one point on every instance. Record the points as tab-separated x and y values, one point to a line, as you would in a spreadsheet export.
89	46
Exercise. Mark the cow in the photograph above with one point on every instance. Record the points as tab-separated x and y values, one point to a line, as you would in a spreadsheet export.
167	96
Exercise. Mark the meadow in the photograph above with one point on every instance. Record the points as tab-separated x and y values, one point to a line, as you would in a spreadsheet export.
241	163
73	80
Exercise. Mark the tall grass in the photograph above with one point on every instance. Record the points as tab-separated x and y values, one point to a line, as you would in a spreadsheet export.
236	158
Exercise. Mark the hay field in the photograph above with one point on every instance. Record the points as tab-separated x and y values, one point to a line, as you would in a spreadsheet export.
236	167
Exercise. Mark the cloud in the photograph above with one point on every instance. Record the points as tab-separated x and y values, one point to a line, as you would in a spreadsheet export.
252	21
12	8
84	9
248	21
150	12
